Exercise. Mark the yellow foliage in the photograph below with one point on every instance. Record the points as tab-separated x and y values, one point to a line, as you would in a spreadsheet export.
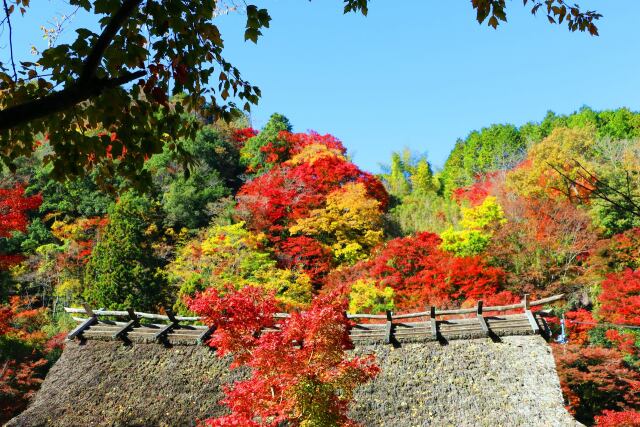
232	256
350	223
477	226
68	288
314	152
366	297
565	149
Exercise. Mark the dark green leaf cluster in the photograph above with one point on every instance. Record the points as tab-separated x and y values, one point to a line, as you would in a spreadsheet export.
123	270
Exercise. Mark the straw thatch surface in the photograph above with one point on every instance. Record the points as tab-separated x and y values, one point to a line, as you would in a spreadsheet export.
465	383
104	383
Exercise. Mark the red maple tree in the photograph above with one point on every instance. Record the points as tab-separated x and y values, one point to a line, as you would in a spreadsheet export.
620	298
300	373
422	274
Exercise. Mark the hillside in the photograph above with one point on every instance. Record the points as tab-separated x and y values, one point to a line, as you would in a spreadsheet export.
238	224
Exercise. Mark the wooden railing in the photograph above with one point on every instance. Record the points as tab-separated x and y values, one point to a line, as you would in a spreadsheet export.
176	325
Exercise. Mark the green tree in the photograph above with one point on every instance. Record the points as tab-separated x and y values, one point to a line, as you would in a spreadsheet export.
251	154
492	148
123	270
421	177
188	193
396	180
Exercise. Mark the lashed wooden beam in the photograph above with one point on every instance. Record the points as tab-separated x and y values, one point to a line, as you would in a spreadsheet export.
202	339
388	335
529	314
481	319
92	320
134	322
162	334
434	323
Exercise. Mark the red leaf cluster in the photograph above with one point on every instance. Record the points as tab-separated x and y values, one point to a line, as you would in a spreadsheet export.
422	274
618	419
20	370
594	379
307	254
625	341
578	324
14	206
300	371
239	136
238	317
620	298
476	192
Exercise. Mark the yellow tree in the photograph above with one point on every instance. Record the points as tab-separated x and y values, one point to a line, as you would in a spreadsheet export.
350	223
556	166
477	226
231	256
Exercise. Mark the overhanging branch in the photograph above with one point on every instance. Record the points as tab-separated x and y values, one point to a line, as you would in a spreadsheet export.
59	101
87	85
92	61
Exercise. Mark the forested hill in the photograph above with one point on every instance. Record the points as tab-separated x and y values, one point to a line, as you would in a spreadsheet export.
501	146
237	223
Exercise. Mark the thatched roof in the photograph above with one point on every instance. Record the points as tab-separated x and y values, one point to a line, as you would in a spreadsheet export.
464	383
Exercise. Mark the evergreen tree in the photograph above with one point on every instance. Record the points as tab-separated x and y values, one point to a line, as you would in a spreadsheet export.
123	270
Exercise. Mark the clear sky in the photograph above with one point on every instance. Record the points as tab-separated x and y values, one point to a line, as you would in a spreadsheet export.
423	73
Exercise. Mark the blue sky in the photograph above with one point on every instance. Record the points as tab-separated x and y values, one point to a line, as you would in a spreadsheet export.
422	73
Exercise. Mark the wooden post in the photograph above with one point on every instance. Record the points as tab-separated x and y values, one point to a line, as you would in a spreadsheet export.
481	320
530	317
388	334
434	323
134	322
79	330
162	334
205	335
88	310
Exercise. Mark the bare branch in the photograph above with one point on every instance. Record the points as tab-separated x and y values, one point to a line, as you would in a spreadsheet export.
8	18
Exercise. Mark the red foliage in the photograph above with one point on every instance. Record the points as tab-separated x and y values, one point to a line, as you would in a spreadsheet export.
476	192
288	144
618	419
81	239
504	298
297	141
300	371
21	360
625	341
14	206
239	136
624	250
275	152
620	298
578	327
542	245
594	379
13	209
422	274
306	254
239	317
273	201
